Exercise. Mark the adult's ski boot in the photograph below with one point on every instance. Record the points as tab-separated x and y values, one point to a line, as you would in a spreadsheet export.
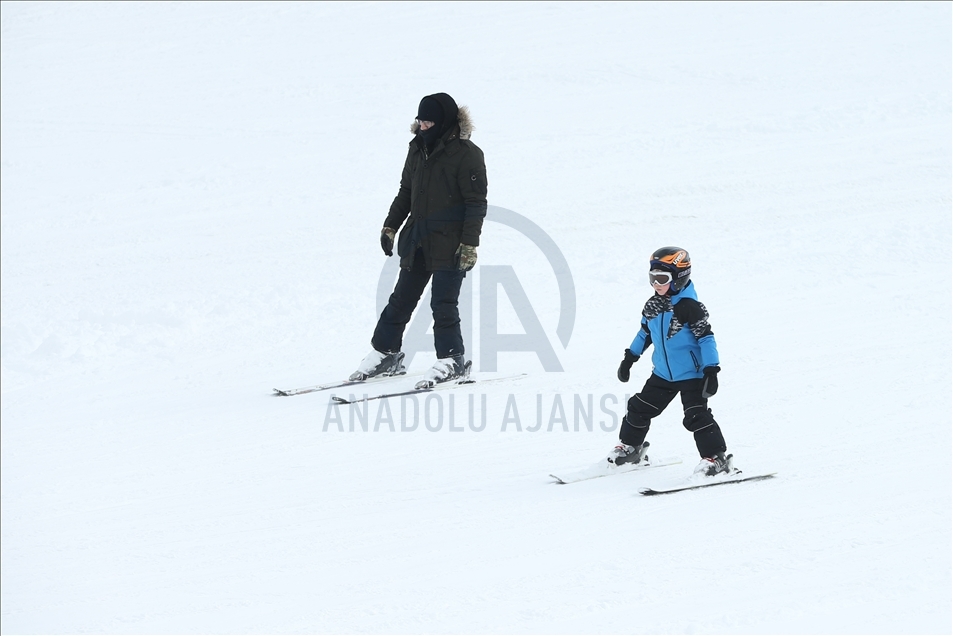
444	370
379	364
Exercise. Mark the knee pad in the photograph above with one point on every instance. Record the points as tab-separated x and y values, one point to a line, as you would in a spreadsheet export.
698	418
640	408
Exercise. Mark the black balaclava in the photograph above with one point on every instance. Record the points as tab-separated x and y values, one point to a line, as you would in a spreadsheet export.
431	110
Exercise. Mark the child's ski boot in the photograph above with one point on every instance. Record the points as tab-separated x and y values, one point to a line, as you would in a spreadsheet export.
625	454
711	466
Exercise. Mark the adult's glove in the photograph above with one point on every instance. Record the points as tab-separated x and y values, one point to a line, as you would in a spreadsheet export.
710	383
387	240
466	257
627	362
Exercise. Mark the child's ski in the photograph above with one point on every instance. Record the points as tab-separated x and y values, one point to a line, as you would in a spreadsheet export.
736	478
605	469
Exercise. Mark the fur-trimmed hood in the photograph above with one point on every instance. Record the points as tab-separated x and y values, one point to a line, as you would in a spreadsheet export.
464	123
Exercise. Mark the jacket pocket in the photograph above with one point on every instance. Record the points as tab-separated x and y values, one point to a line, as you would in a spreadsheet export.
407	240
478	181
698	367
449	187
439	226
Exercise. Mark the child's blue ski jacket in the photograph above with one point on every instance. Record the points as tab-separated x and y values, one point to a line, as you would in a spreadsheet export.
678	327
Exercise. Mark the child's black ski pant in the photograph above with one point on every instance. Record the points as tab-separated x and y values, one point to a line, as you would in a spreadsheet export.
652	400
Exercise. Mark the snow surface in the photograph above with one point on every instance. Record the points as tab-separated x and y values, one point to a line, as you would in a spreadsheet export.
191	200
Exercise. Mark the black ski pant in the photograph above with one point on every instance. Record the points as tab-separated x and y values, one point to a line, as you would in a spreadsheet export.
652	400
444	293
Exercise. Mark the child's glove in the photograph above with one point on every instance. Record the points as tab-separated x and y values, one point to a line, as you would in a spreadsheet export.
710	384
627	362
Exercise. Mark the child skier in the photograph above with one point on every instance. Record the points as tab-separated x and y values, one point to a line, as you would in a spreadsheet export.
685	362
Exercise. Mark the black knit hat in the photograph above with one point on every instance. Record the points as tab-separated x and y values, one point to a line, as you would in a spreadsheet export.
430	110
441	106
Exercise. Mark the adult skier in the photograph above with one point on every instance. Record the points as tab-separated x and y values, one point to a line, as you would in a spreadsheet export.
685	362
441	204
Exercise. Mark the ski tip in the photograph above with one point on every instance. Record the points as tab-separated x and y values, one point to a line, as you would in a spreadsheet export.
280	393
339	400
558	480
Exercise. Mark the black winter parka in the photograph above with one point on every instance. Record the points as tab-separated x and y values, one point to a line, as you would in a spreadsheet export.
442	197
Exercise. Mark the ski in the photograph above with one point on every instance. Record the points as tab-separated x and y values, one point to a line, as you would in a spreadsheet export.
340	384
605	469
736	478
415	391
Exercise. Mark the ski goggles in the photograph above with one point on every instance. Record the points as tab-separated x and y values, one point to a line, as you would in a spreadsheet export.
659	278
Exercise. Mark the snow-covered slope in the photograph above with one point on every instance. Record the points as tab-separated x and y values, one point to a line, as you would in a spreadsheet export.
191	198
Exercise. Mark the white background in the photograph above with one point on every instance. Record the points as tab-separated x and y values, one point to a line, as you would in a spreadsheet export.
191	202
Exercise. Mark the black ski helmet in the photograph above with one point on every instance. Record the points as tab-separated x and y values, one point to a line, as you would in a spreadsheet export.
675	261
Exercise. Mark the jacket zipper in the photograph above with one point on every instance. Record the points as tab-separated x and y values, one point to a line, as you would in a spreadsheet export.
664	349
